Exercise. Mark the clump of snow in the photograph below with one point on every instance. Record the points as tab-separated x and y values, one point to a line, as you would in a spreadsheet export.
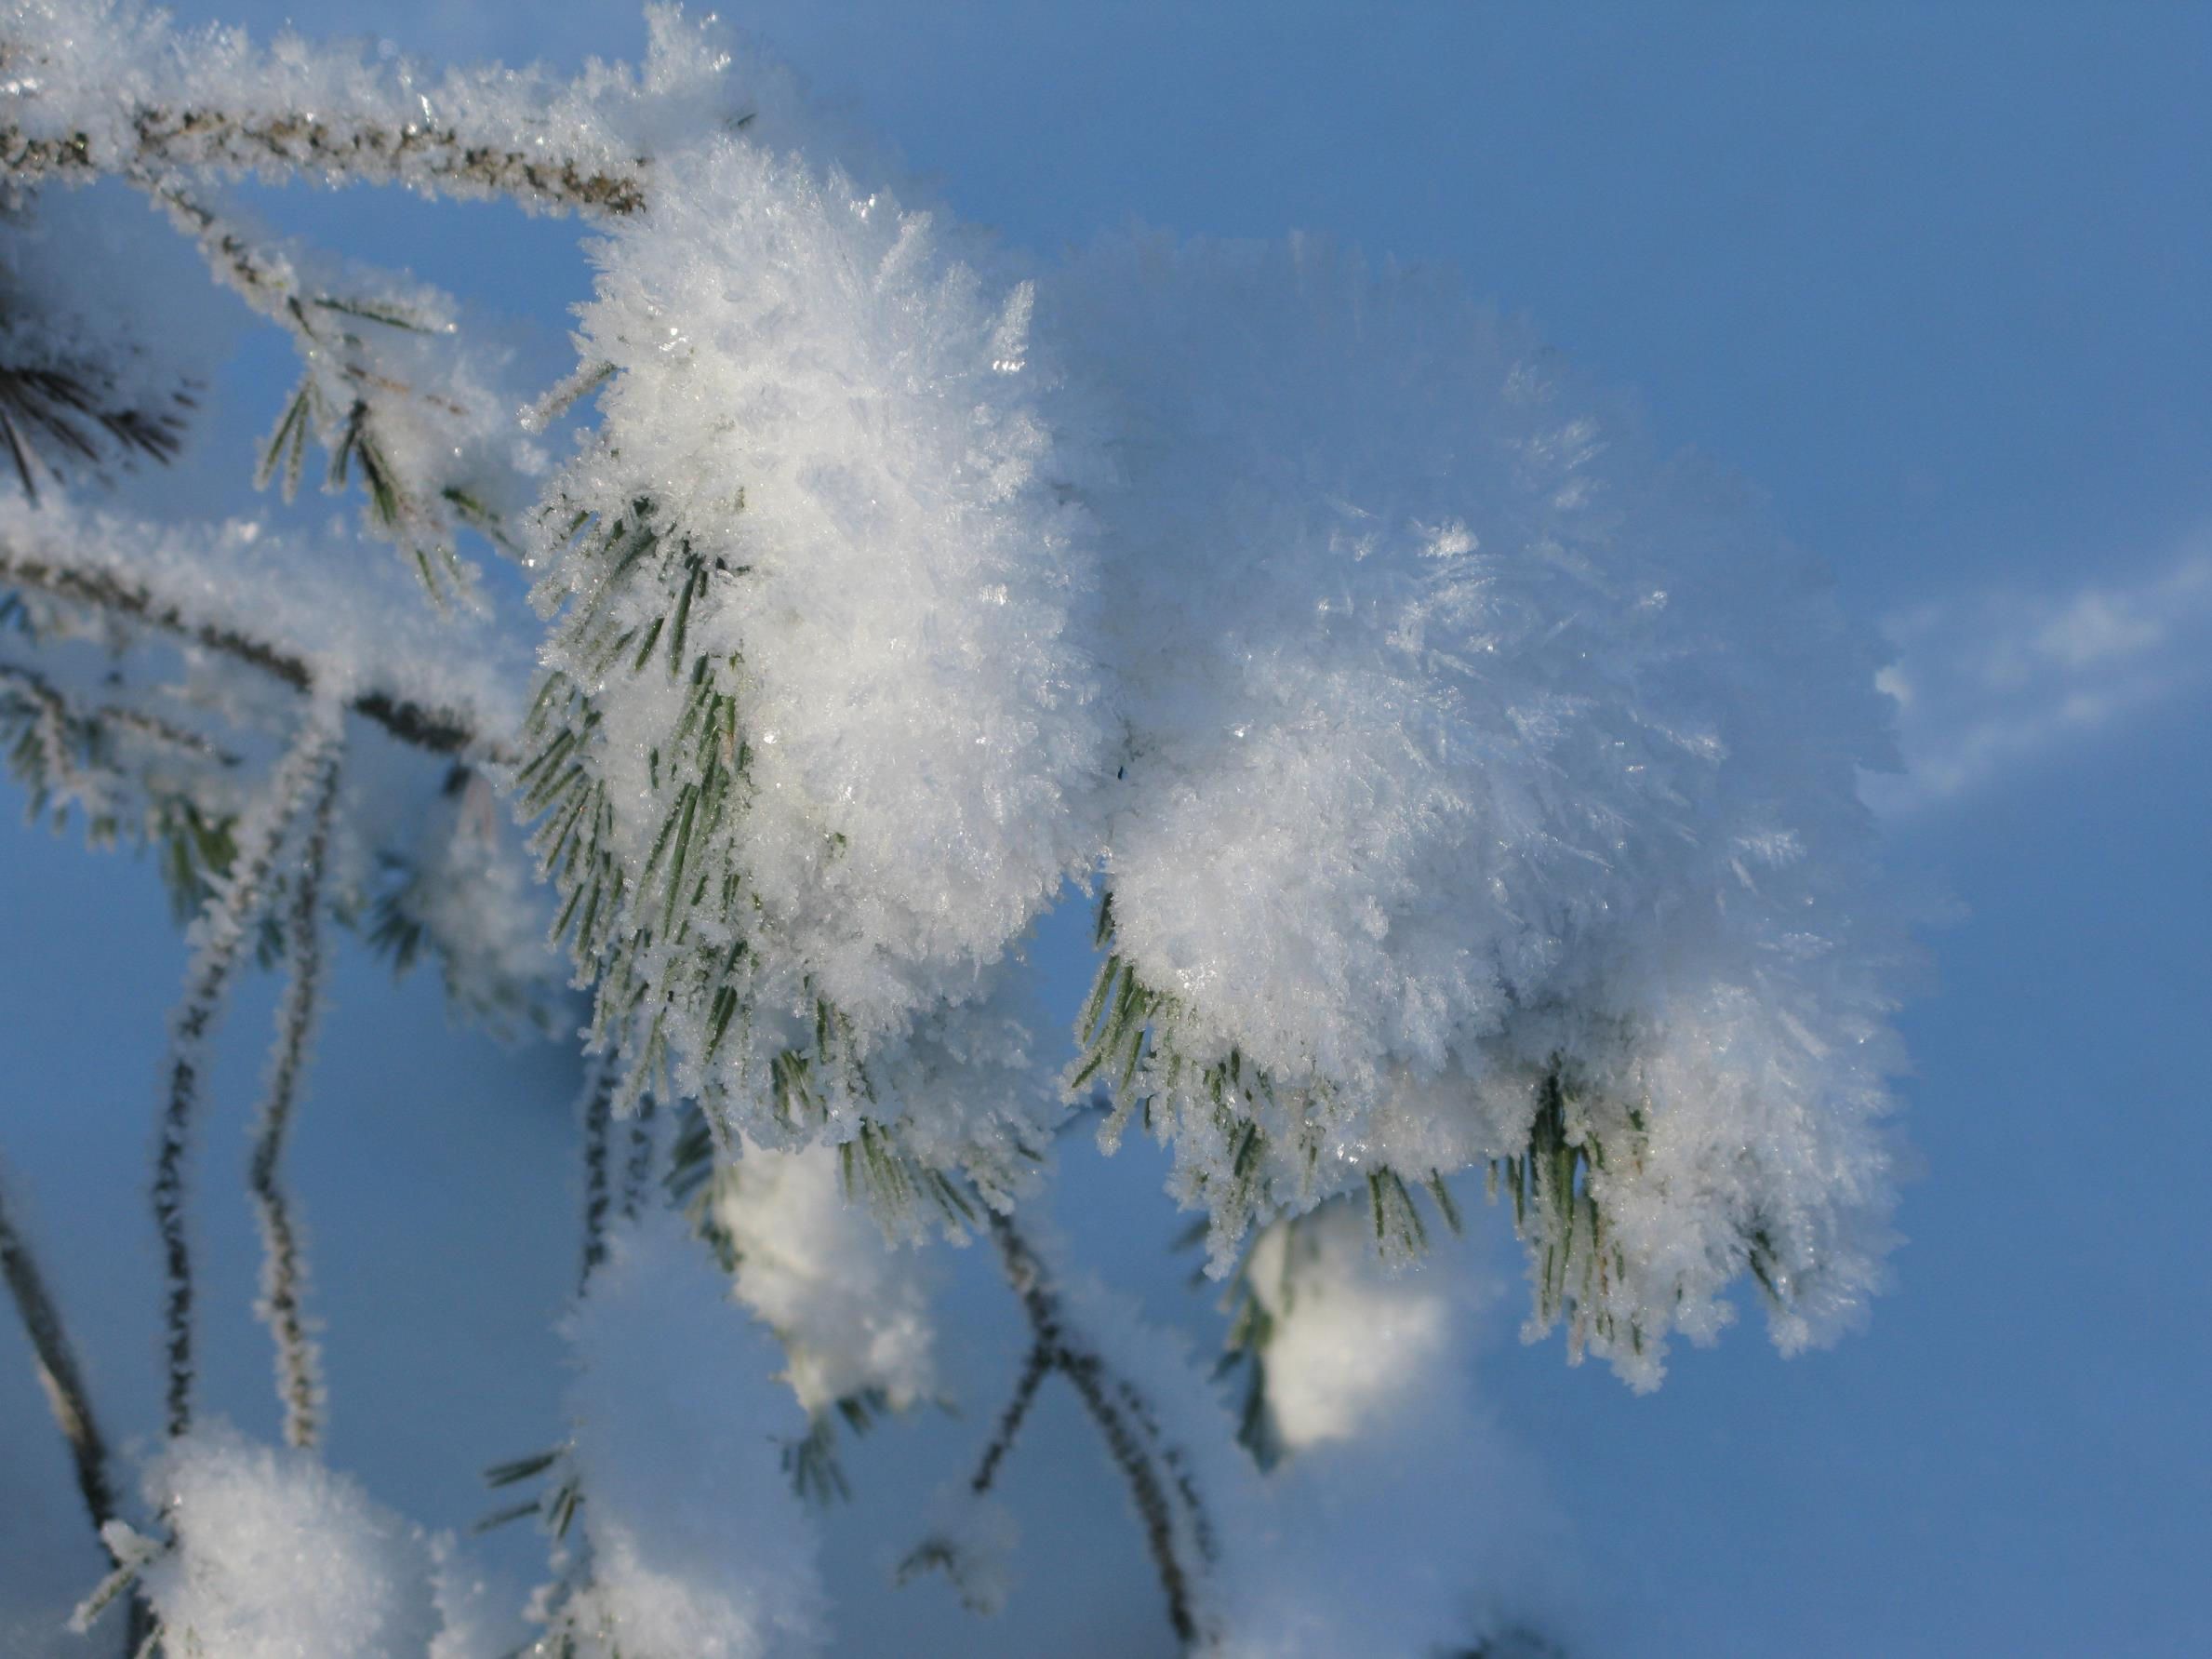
1386	1451
1471	738
1425	1538
479	1614
1472	783
1351	1341
276	1556
698	1547
850	1307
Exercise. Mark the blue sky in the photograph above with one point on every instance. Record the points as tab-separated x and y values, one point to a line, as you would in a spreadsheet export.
1935	280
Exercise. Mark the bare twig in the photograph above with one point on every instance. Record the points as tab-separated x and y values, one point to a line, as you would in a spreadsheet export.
58	1373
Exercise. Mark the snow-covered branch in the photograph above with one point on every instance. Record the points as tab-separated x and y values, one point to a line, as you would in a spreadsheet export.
333	149
93	560
109	90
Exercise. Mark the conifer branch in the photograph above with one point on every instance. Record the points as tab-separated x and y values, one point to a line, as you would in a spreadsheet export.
76	722
60	402
348	399
439	730
284	1277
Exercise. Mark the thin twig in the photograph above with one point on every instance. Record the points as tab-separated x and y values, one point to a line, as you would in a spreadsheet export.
218	937
1042	1357
1127	1420
58	1373
63	1383
298	1369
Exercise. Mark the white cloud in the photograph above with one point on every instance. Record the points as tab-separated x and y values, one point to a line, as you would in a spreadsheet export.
1989	682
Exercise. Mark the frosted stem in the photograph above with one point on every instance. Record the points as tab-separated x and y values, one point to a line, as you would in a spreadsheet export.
432	159
58	1373
217	940
1034	1369
284	1275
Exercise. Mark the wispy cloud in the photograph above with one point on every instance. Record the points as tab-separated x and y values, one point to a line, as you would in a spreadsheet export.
1989	682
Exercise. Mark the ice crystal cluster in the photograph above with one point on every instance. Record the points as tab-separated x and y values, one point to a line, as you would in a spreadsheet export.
1463	785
